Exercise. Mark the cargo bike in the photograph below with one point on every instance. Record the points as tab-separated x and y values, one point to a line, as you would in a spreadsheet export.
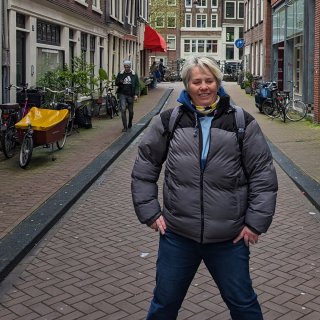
41	127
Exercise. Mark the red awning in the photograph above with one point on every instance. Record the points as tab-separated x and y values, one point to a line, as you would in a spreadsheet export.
153	40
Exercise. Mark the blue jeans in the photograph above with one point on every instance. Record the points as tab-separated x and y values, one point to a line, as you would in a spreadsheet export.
126	102
177	264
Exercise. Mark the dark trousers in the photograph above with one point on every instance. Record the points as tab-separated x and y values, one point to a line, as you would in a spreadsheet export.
177	264
126	102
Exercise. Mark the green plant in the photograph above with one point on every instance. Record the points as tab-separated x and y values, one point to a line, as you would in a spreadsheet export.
80	77
143	87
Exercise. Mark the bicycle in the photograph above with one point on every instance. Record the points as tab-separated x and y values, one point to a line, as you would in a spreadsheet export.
296	109
275	106
111	102
10	114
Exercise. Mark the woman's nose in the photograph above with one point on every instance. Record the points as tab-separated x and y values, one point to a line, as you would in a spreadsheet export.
203	86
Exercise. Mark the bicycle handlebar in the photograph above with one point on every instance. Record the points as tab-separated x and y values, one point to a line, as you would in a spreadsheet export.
53	91
24	87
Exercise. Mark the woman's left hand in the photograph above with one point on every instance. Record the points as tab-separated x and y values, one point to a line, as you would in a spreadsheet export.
248	236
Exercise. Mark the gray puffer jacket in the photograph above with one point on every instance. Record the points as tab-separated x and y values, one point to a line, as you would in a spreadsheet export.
211	204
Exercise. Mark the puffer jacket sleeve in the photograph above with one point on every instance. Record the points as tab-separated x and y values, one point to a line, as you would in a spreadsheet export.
145	174
263	184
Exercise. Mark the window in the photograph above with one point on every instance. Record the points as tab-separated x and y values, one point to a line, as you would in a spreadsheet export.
188	3
116	11
171	21
187	46
214	21
201	46
240	10
48	33
212	46
230	34
230	52
48	59
193	45
21	21
201	21
188	20
171	42
96	4
159	22
171	2
202	3
214	3
230	10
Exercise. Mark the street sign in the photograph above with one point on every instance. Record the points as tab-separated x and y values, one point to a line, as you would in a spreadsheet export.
239	43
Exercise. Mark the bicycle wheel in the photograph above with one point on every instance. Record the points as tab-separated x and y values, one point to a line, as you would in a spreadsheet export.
114	103
26	151
269	109
8	142
109	108
60	143
296	110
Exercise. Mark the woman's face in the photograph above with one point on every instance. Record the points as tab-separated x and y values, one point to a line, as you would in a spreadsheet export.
202	87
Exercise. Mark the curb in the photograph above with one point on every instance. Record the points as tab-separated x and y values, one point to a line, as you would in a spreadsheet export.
305	183
15	245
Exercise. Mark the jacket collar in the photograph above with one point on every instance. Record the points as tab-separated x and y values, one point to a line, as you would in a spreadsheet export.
132	71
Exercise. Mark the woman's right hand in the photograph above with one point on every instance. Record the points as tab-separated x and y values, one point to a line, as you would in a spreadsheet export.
159	225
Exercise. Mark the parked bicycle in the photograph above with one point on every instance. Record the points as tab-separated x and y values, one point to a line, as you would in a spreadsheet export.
10	114
296	109
275	106
111	102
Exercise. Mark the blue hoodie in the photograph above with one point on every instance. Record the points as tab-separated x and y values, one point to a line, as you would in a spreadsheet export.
205	122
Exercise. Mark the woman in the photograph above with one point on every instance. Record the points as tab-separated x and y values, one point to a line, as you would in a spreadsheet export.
218	197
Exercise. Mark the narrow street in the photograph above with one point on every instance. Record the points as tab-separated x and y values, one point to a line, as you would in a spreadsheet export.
98	262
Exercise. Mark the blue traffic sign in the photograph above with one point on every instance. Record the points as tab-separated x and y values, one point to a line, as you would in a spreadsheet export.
239	43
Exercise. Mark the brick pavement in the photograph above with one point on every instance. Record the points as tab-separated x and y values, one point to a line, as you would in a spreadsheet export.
98	261
23	191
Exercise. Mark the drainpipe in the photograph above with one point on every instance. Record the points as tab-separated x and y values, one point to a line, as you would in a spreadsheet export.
5	52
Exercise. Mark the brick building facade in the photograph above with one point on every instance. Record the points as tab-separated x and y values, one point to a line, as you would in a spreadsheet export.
45	34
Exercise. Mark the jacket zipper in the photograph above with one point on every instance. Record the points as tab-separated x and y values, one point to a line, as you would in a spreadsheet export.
198	132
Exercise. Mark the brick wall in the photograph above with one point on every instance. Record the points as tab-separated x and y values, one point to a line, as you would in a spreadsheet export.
317	64
86	12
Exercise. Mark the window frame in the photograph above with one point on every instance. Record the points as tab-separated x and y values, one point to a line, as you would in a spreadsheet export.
216	20
234	10
172	4
156	21
171	39
170	16
197	20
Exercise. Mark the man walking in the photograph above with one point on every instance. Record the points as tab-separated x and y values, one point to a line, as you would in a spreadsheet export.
128	91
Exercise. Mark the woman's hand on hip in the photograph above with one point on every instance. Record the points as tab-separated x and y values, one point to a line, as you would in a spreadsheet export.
159	225
248	236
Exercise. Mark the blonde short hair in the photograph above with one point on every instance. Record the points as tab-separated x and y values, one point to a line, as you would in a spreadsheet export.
203	63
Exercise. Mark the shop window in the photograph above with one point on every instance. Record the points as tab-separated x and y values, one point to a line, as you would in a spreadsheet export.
48	59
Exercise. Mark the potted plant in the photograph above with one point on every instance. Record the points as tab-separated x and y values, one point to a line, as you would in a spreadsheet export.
247	83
